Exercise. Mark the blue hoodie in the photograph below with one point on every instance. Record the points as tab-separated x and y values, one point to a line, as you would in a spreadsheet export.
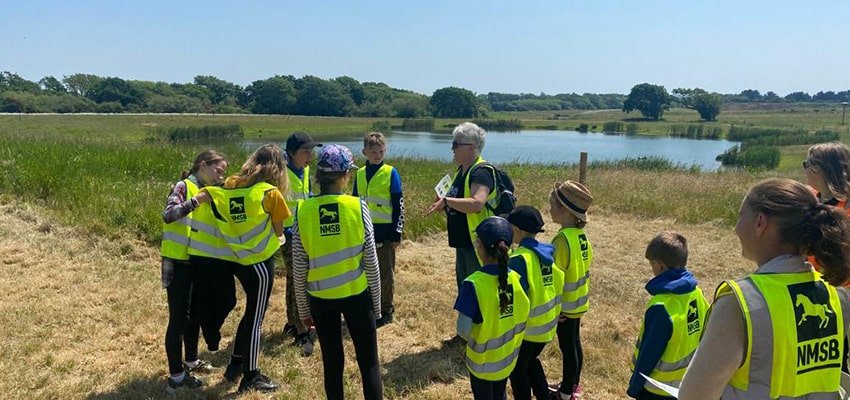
657	327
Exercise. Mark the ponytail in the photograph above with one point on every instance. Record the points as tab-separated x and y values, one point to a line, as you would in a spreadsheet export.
502	256
826	237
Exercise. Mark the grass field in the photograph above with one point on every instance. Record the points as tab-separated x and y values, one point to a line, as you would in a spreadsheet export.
84	314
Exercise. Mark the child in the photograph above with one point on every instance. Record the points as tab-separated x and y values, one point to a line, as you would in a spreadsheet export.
336	273
177	272
252	210
493	312
673	321
379	184
568	204
533	261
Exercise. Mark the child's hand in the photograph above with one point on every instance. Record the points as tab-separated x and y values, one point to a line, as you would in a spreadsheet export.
308	322
395	244
202	197
439	205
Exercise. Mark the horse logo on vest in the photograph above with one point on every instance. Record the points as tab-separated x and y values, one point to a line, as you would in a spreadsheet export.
546	272
818	343
329	219
237	209
583	246
813	310
694	323
509	309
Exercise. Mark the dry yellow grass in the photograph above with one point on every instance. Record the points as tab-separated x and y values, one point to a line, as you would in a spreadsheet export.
84	317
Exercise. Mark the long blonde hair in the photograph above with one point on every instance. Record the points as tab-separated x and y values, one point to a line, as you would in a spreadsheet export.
833	159
265	165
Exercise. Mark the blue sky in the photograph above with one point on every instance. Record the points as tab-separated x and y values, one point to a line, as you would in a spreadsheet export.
598	46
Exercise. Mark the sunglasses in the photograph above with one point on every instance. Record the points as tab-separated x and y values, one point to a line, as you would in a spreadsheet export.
806	164
455	145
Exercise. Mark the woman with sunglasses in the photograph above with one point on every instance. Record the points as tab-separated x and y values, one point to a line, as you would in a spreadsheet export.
465	203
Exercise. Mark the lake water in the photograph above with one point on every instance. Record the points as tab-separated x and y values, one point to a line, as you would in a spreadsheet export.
555	147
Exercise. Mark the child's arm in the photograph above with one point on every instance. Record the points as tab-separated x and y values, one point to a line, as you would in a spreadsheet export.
657	330
397	200
299	276
470	313
177	205
275	205
369	261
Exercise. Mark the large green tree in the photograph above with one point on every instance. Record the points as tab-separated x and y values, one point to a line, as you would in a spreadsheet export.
650	100
706	104
81	84
454	102
317	96
275	95
223	92
116	90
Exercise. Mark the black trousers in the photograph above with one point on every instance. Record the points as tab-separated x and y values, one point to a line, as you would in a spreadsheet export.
183	328
257	282
360	320
528	375
213	296
488	390
569	340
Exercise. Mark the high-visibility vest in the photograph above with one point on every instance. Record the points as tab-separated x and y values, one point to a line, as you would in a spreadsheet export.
245	226
473	219
332	233
175	235
299	190
545	287
687	315
376	192
493	345
574	301
205	239
795	337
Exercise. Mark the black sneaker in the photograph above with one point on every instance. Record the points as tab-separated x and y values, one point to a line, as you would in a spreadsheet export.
305	342
260	383
386	319
203	367
188	382
232	373
289	330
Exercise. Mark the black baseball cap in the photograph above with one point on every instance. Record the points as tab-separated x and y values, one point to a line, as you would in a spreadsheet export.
300	140
493	230
526	218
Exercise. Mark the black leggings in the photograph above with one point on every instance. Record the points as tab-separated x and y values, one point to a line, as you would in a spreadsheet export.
569	340
488	390
528	375
257	282
182	328
360	320
213	296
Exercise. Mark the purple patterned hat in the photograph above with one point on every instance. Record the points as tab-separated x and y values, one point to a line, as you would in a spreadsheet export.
335	158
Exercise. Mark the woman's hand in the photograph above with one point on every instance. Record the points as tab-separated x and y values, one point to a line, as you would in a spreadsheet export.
439	205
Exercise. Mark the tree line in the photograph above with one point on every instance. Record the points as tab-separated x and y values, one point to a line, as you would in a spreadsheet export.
341	96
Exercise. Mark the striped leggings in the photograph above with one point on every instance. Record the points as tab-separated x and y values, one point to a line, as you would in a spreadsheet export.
257	282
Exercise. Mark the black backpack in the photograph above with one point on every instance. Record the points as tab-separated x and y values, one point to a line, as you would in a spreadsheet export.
504	187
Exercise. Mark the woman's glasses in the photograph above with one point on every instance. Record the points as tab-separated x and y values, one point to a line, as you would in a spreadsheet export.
455	145
806	164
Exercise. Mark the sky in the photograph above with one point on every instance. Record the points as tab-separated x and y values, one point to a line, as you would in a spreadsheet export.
530	46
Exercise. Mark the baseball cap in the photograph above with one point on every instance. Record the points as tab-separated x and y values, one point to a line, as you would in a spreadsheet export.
335	158
526	218
493	230
299	140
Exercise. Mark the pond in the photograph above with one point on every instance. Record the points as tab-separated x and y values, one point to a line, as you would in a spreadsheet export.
553	147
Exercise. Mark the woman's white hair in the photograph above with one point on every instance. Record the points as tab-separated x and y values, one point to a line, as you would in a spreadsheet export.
468	132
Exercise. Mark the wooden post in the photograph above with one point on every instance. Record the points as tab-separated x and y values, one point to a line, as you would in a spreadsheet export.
582	168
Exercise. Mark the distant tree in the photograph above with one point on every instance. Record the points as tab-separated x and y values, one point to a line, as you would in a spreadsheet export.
13	82
275	95
81	84
798	96
751	95
706	104
317	96
411	106
650	100
772	97
116	90
222	91
454	102
353	88
52	85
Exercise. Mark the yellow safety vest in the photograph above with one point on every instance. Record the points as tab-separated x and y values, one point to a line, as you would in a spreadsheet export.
205	239
574	301
493	345
175	235
795	337
687	314
376	192
332	233
472	220
545	287
299	190
245	226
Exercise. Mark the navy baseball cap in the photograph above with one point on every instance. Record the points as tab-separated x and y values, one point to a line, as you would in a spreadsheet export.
526	218
493	230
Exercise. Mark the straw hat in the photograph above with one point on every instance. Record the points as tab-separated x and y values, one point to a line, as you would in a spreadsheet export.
575	197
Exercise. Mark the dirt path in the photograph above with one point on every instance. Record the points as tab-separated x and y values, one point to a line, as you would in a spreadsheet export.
84	317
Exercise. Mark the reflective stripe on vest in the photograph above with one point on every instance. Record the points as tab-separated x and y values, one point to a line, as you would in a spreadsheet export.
574	301
175	235
332	233
246	227
376	192
472	220
493	345
795	336
545	287
204	239
299	190
686	313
